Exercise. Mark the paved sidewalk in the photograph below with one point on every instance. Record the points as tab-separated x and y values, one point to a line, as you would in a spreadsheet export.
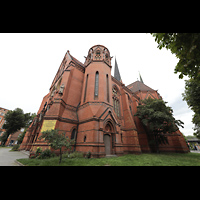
194	151
8	158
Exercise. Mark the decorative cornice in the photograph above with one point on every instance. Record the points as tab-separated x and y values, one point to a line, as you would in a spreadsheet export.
91	61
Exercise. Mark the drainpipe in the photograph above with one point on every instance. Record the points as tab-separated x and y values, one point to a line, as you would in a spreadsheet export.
77	126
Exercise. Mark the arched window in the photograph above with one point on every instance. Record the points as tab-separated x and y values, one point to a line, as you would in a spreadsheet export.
116	107
96	88
116	103
73	134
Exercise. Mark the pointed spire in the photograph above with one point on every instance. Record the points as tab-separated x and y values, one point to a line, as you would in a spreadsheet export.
116	73
140	78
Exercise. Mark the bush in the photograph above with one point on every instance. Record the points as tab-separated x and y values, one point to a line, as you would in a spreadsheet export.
32	157
38	151
46	154
88	155
75	154
15	147
65	155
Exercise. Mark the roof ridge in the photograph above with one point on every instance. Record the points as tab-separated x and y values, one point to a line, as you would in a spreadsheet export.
143	87
76	60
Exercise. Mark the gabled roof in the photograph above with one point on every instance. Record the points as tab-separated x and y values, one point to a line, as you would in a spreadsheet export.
138	85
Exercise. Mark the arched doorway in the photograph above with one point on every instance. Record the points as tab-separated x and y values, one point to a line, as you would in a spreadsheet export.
108	138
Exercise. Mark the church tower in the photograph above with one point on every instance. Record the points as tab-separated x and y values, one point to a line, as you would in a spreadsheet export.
97	129
97	75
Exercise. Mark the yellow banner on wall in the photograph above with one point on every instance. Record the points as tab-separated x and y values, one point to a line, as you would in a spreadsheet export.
48	125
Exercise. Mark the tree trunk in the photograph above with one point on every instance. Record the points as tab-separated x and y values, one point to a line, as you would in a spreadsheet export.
60	156
157	145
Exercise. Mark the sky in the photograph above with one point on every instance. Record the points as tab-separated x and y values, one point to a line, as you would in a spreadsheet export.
29	62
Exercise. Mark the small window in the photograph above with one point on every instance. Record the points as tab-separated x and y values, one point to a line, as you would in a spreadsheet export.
73	134
98	52
85	137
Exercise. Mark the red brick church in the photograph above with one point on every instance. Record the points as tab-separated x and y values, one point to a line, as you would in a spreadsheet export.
96	109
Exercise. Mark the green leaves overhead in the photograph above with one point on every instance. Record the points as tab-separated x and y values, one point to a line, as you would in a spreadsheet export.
186	47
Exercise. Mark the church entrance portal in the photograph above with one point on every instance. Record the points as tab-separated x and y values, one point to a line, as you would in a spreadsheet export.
106	139
108	135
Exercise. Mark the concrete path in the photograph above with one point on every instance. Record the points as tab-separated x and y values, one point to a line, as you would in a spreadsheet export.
194	151
8	158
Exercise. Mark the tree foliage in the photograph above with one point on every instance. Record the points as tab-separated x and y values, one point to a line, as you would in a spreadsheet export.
186	47
192	97
57	140
192	94
158	119
15	120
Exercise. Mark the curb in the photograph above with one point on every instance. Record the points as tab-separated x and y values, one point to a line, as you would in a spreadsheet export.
19	164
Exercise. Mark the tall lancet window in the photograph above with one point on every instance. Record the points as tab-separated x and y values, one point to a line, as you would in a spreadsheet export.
116	103
107	83
85	88
96	88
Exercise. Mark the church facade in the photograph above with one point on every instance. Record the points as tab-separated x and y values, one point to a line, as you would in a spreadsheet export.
96	109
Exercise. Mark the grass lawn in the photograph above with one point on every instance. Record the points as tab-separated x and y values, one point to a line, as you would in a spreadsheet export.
167	159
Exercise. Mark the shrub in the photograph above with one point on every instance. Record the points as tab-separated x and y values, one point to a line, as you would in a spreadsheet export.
88	155
32	157
76	154
65	155
15	147
38	151
46	154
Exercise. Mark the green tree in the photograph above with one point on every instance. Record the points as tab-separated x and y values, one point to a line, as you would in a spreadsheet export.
158	119
57	140
186	47
21	136
15	120
196	121
192	97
